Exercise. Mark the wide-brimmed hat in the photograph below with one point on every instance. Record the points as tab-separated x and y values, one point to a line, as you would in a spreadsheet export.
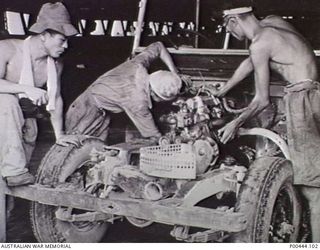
165	84
54	16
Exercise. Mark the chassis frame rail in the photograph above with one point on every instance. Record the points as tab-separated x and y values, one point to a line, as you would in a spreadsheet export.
166	211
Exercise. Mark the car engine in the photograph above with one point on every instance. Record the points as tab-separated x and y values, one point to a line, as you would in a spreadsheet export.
187	151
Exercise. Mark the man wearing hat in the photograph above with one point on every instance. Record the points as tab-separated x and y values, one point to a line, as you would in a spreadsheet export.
26	68
127	88
276	45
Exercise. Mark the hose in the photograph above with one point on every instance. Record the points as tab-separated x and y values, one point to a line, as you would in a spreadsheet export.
231	110
225	104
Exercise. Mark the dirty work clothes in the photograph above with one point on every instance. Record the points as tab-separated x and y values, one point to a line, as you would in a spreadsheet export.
18	137
123	89
303	131
85	117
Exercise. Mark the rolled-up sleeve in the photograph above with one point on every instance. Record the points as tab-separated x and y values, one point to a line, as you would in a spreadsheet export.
142	118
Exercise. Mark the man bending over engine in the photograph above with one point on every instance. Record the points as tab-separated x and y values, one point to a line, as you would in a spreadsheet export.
127	88
278	46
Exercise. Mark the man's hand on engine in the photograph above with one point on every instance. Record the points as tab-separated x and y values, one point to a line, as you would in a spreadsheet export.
219	93
218	90
228	132
186	79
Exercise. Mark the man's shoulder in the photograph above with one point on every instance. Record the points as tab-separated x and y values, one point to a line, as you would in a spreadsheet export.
154	47
265	32
274	22
150	53
12	42
263	38
269	35
9	46
278	33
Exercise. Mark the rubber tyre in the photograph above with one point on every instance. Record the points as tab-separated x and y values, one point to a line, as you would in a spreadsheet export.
59	163
269	179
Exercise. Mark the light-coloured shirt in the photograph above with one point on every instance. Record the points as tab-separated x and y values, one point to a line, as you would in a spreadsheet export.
126	89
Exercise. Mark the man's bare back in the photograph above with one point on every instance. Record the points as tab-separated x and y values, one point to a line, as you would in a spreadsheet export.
289	53
276	45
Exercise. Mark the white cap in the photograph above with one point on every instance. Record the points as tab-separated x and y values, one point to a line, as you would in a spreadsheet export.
165	84
237	11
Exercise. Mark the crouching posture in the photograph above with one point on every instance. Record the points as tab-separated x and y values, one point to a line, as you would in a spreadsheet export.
127	88
26	67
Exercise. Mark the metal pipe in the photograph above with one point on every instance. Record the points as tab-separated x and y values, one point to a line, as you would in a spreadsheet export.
200	51
197	22
194	51
153	191
139	29
226	40
3	211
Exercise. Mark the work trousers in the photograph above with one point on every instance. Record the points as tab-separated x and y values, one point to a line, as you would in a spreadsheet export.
303	128
86	118
17	137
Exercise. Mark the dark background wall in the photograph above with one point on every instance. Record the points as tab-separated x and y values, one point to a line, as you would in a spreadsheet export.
89	56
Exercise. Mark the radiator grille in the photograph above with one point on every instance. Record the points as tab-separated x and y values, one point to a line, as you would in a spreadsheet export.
176	161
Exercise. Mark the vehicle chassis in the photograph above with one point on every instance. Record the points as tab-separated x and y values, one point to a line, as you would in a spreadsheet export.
180	209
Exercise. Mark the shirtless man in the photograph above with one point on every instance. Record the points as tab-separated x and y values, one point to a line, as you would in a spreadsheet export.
26	66
276	45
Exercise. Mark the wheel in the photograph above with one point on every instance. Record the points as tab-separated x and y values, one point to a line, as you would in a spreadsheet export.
65	164
270	202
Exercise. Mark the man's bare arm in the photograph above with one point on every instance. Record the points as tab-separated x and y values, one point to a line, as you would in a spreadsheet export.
260	56
57	121
57	113
260	59
56	117
6	52
244	69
